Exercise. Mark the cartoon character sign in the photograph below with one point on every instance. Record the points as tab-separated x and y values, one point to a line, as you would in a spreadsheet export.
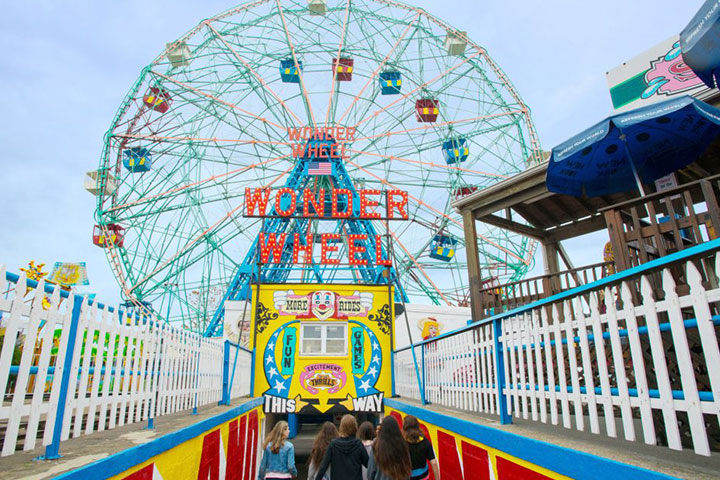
322	349
322	304
429	327
670	75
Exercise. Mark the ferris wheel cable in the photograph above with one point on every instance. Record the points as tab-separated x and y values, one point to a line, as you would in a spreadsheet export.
190	185
335	84
535	143
182	251
414	260
442	214
420	87
160	139
382	64
441	124
218	100
259	78
436	165
199	26
306	97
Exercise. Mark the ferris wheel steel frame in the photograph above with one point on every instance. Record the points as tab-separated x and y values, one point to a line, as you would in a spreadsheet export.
158	272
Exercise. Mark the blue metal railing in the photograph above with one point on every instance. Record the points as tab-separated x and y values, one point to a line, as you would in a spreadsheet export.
703	249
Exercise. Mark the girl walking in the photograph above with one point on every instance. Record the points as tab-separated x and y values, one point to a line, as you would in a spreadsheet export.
390	458
366	434
346	455
421	450
278	460
327	434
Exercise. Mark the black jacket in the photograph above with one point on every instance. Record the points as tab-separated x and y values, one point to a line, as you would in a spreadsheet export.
345	456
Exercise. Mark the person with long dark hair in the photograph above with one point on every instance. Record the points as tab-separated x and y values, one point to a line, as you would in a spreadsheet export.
346	455
366	434
390	458
328	432
278	461
421	450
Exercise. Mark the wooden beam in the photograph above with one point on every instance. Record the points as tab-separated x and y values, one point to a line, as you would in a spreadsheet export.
527	230
576	229
473	264
509	198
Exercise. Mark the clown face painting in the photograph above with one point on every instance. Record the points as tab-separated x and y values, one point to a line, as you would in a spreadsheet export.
322	304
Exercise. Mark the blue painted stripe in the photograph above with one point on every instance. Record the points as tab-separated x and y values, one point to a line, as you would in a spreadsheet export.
565	461
125	460
658	263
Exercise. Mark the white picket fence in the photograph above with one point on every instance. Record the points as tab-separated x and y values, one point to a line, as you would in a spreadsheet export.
121	370
634	353
239	372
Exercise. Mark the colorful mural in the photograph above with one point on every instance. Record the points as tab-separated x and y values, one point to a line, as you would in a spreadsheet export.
228	450
654	75
323	348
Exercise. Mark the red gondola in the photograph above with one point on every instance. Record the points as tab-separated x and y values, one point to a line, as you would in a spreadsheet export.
116	235
427	109
344	69
158	99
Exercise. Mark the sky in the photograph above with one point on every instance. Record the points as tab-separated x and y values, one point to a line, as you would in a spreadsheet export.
66	66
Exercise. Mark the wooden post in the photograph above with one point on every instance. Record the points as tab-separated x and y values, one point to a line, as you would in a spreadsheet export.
473	262
551	284
712	205
617	238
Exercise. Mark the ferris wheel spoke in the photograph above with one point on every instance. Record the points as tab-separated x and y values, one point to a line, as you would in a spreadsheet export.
380	67
195	184
185	139
441	124
438	212
335	84
420	268
305	95
415	90
186	248
428	164
254	73
220	101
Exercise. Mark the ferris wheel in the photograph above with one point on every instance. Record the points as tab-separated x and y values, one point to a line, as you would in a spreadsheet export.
431	114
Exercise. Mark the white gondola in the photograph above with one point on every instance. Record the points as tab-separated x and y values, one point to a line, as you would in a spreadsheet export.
92	183
178	54
317	7
455	43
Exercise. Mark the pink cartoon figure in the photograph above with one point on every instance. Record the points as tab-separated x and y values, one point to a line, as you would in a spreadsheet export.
669	75
322	304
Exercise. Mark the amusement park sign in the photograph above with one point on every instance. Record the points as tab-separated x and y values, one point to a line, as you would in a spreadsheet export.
336	204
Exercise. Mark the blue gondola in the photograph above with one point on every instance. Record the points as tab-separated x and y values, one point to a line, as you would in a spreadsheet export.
442	247
455	150
288	72
137	159
390	83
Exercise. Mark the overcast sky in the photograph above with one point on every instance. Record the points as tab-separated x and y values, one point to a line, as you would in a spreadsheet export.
66	66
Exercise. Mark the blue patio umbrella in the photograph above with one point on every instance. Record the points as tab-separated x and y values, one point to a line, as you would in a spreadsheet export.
628	149
700	42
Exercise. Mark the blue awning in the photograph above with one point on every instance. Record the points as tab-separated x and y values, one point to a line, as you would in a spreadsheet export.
700	42
655	140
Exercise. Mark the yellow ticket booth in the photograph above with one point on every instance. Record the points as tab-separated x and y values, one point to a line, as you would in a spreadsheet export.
321	348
